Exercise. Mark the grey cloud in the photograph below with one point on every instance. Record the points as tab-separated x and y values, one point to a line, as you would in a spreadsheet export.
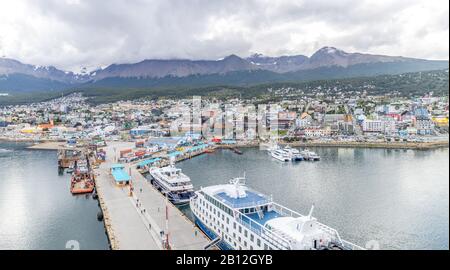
91	33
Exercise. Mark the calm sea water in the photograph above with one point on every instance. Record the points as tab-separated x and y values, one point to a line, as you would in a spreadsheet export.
37	210
399	198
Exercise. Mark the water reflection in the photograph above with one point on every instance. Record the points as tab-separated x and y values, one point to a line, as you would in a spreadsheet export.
397	197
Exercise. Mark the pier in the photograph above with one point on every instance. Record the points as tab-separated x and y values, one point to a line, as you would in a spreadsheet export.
137	220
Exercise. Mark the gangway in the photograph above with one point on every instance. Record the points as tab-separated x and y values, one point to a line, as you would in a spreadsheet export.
213	242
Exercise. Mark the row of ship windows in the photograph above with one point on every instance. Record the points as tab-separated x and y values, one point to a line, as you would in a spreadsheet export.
217	204
174	184
229	239
212	223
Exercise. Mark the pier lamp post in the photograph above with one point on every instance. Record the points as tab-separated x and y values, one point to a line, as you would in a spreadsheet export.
131	184
167	245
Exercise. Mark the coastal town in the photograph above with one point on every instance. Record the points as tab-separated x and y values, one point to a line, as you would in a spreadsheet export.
324	119
187	129
125	151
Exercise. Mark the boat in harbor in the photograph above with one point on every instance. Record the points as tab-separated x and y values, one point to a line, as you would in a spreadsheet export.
294	154
81	183
281	155
82	180
237	151
172	182
310	155
236	217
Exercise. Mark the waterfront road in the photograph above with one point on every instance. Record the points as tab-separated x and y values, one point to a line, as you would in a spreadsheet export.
125	224
136	222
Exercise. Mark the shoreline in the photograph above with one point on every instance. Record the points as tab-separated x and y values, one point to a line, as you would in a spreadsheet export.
55	145
376	145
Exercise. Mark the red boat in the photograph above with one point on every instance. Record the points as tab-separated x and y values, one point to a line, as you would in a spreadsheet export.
81	183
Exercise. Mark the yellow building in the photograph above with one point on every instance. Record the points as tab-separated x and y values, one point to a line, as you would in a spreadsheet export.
440	121
29	130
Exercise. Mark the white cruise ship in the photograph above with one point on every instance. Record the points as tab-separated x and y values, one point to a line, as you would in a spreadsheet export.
172	181
236	217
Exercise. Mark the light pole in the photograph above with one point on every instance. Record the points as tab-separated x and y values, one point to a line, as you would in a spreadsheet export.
167	220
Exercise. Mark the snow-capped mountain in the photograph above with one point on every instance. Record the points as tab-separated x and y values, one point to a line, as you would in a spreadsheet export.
176	68
327	62
11	66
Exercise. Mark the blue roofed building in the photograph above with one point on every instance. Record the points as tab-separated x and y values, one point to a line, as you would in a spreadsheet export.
121	177
148	162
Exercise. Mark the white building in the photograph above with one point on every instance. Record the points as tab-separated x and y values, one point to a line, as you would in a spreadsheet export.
317	132
373	126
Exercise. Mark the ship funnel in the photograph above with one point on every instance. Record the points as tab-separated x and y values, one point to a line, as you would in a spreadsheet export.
311	211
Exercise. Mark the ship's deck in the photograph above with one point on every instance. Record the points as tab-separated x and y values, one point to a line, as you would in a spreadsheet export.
251	199
268	215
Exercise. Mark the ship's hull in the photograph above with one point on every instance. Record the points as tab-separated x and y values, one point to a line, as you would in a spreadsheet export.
313	158
297	158
211	234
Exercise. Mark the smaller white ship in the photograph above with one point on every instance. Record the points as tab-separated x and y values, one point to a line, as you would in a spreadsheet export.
281	155
294	154
173	182
310	155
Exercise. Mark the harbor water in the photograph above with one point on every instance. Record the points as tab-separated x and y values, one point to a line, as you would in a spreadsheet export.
398	198
37	210
388	199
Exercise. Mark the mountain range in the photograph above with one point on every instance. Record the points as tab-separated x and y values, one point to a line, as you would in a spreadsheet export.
326	63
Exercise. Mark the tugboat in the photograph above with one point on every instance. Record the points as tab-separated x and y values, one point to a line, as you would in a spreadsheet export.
82	181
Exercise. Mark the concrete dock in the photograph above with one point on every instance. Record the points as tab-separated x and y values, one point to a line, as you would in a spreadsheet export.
136	222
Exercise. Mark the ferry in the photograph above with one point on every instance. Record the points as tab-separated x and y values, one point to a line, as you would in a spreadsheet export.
310	155
236	217
281	155
173	182
293	153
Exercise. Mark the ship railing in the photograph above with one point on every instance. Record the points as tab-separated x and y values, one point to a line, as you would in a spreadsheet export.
332	232
285	237
284	211
269	235
350	246
250	204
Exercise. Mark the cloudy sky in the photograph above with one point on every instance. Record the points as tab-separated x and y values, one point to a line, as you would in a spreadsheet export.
70	34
